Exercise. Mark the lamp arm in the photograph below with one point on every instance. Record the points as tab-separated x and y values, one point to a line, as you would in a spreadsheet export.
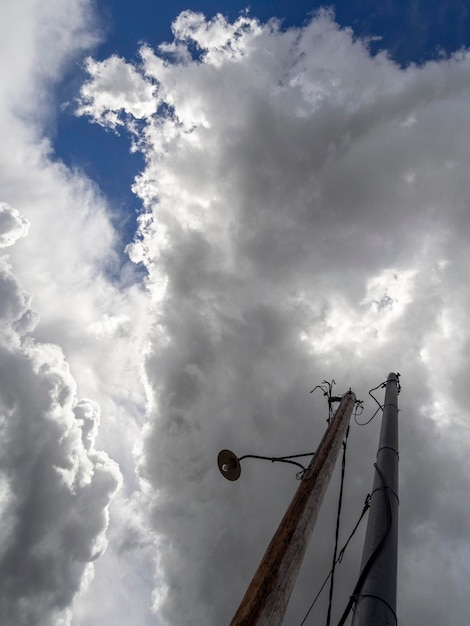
274	459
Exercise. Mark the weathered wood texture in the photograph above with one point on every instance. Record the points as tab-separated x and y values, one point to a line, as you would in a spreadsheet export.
266	598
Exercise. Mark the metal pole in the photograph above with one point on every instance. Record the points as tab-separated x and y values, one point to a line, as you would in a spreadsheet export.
266	598
376	597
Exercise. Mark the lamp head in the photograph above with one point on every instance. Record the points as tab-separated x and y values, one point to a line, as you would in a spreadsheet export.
229	465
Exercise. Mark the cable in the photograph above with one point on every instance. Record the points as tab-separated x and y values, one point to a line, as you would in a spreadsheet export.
364	511
374	595
375	553
338	518
372	558
340	556
380	407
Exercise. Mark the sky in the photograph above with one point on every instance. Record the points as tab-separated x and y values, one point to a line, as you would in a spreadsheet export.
206	210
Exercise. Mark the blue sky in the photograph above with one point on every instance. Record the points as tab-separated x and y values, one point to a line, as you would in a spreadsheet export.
411	32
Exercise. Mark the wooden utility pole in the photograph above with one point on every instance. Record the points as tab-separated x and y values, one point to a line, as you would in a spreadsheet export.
376	595
266	598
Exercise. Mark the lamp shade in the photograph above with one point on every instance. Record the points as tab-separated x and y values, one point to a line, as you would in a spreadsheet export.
229	465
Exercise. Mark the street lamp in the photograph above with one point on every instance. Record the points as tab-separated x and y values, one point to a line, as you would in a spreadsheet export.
265	600
230	468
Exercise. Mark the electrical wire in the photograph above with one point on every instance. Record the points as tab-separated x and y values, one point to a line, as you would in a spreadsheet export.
340	556
374	555
338	519
380	406
356	593
376	597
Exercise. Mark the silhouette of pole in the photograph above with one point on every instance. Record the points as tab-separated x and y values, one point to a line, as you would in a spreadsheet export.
376	597
266	598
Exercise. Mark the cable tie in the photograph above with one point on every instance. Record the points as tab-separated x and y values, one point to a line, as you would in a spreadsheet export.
373	595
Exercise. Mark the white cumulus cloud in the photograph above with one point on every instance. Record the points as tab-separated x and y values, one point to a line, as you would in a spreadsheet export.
56	486
73	330
12	225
